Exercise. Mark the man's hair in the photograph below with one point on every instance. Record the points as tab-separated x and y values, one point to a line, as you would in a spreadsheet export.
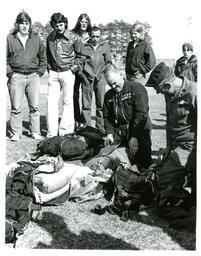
95	28
58	18
77	27
110	69
189	46
22	17
140	28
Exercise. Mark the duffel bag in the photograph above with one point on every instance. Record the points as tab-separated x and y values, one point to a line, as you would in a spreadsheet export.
93	136
50	146
73	148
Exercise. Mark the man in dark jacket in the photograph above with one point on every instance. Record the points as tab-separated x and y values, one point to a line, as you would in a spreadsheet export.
140	57
181	128
126	116
26	63
96	55
187	64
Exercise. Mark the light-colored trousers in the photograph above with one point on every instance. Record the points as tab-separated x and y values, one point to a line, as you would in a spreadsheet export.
60	87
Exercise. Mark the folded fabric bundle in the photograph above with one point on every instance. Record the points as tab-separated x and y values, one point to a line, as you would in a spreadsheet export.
110	157
51	182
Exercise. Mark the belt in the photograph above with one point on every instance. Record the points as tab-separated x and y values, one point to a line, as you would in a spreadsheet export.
26	72
57	69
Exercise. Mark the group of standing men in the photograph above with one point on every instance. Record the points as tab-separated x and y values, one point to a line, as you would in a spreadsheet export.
27	59
79	58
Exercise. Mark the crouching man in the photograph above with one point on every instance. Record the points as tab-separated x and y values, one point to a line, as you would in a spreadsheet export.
126	117
180	156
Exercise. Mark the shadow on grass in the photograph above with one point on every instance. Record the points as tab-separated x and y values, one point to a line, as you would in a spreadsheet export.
8	129
156	153
181	237
43	125
63	238
157	127
159	120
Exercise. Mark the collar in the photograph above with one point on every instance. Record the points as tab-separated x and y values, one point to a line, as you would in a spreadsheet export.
184	89
66	34
89	43
138	43
29	36
19	35
191	59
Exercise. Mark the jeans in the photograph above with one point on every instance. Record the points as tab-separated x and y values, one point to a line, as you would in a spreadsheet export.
29	85
87	92
60	84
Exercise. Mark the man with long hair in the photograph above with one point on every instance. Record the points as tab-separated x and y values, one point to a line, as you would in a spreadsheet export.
63	47
26	63
82	28
140	57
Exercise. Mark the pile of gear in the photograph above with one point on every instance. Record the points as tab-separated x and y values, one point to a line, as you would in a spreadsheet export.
77	168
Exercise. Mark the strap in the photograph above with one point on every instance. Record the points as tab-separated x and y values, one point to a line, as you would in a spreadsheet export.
35	207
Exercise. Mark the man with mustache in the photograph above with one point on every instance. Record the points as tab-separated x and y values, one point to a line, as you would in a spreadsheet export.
96	56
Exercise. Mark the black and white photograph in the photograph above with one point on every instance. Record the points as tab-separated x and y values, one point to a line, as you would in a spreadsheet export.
99	129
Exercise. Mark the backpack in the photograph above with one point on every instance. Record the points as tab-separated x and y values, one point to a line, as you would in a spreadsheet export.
78	145
19	201
73	148
20	193
50	145
131	190
93	136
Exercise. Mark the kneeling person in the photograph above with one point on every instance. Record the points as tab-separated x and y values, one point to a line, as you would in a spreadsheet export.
126	116
180	161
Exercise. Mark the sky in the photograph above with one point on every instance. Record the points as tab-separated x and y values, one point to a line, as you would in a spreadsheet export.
172	21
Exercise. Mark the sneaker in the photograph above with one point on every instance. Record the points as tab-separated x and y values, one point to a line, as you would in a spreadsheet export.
36	136
49	136
81	126
15	137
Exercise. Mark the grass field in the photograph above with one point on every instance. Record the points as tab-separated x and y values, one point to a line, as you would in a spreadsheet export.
74	226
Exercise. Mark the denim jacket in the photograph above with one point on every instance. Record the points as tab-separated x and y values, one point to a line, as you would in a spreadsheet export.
63	51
